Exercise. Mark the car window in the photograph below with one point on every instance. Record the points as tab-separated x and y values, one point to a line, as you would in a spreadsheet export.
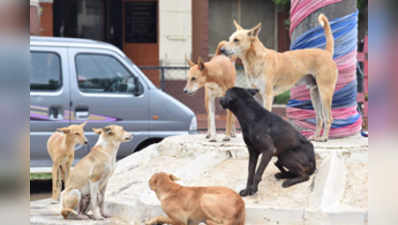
98	73
46	71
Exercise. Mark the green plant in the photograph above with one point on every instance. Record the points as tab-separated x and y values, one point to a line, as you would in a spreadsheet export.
40	176
281	2
282	98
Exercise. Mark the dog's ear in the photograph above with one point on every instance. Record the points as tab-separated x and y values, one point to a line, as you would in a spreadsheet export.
173	178
108	131
190	63
255	30
201	63
97	130
65	130
237	26
252	91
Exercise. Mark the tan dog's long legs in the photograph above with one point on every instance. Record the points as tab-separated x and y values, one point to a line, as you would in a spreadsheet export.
316	103
207	111
56	181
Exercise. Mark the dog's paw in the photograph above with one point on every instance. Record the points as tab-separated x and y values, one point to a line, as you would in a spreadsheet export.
226	138
287	183
207	136
97	217
83	217
248	191
233	135
213	139
318	139
279	175
54	201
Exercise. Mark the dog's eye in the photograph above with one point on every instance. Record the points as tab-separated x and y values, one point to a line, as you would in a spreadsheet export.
77	134
193	78
236	40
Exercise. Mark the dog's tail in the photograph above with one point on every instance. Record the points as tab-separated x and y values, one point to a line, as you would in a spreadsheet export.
69	212
323	20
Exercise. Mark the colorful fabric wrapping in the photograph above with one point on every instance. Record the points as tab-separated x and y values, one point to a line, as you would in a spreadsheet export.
347	120
301	9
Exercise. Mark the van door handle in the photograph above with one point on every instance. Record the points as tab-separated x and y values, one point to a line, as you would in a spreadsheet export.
82	113
56	113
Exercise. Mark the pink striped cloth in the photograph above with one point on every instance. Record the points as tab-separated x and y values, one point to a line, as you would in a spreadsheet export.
300	9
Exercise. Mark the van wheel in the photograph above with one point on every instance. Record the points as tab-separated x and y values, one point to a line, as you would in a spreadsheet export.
146	143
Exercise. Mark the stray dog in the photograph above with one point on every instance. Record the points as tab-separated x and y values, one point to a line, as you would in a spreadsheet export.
194	205
268	134
216	76
87	183
61	148
273	72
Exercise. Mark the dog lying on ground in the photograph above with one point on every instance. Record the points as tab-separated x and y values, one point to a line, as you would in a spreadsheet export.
61	148
216	76
193	205
85	188
268	134
273	72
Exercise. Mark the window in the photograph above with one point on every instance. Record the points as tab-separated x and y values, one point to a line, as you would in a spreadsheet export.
103	74
46	71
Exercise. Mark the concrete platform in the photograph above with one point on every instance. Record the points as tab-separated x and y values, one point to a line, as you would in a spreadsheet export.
336	194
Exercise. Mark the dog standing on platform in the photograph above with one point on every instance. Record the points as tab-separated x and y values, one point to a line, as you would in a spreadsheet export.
86	186
195	205
61	148
273	73
217	76
268	135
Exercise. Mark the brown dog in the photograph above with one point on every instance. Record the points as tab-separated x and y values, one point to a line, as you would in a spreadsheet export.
193	205
217	76
61	148
86	186
273	72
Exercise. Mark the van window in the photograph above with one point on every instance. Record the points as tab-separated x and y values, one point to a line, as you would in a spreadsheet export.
46	71
98	73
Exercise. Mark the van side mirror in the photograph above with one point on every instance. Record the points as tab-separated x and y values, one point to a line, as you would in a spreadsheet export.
138	88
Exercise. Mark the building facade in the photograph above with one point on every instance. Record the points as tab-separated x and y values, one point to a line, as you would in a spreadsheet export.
154	32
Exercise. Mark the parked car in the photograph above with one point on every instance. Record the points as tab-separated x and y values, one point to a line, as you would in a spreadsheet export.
77	80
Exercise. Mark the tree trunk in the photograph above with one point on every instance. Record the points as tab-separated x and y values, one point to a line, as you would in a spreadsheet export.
331	12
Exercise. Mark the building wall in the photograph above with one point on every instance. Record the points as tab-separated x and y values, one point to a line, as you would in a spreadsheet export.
248	13
175	32
34	17
46	18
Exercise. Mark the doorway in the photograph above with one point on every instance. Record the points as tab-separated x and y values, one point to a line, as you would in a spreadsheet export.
92	19
141	34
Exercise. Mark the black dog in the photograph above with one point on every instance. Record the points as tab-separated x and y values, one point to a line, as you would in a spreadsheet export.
268	134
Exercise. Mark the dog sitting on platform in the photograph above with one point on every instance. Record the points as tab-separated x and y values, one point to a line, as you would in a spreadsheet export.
267	134
85	188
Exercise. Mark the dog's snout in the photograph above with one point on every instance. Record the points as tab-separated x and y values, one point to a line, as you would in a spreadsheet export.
85	142
185	91
222	50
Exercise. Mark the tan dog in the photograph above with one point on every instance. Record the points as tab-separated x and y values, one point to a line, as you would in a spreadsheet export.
217	76
193	205
61	148
273	73
87	183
